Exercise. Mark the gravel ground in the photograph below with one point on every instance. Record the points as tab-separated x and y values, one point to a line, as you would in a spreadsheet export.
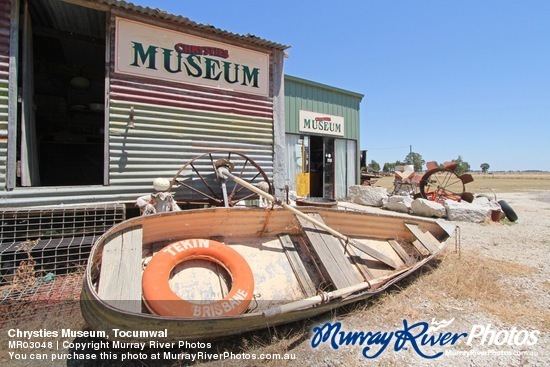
521	245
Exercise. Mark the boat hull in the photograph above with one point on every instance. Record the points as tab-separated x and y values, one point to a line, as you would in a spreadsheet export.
230	225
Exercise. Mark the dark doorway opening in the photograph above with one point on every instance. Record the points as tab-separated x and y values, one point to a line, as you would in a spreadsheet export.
321	167
62	83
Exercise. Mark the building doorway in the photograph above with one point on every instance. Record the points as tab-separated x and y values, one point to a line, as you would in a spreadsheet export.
62	83
321	159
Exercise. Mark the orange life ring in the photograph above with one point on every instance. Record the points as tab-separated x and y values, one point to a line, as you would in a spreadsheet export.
160	298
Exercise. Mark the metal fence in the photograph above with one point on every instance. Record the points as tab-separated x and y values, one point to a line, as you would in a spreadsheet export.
43	253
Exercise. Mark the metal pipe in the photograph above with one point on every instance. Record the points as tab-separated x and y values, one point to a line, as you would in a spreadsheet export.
326	297
224	172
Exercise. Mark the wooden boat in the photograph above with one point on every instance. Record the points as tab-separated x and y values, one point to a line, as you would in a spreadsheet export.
286	267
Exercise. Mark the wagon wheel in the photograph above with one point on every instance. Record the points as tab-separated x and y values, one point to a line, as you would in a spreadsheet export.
197	181
440	184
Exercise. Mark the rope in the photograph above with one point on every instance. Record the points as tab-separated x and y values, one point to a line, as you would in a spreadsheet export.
346	245
325	297
370	285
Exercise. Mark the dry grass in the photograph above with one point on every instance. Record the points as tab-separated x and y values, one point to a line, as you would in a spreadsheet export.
25	273
467	282
35	316
510	182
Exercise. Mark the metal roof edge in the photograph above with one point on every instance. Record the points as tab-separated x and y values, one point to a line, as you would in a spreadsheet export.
323	86
158	13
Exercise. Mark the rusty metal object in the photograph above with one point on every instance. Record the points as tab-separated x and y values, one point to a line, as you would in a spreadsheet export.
197	181
440	184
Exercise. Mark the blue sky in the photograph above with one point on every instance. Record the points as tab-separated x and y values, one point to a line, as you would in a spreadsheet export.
450	78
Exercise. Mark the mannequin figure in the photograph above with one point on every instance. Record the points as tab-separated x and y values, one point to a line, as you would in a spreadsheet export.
160	201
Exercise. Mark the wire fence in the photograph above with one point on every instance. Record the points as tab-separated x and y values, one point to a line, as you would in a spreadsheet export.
43	254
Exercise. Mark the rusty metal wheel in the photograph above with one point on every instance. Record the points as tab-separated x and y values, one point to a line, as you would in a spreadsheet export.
440	184
197	181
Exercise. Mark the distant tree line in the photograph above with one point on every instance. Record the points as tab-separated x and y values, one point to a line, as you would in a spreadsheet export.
416	160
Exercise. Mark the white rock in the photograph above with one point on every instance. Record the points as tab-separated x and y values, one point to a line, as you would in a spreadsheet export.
484	201
428	208
481	200
399	203
368	195
494	205
466	212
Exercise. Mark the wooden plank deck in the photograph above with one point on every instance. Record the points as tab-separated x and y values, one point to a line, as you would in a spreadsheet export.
401	252
337	266
306	284
363	269
120	278
430	243
434	240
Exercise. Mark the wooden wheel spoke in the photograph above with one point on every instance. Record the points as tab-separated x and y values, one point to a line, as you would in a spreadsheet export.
249	181
215	198
447	182
204	182
441	183
235	191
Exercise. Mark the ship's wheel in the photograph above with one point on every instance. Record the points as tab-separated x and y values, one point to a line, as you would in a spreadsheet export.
442	183
197	181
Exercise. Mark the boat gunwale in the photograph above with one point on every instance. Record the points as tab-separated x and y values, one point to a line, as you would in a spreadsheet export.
306	209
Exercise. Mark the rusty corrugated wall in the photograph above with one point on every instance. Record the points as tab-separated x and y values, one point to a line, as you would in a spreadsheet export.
5	24
155	127
172	124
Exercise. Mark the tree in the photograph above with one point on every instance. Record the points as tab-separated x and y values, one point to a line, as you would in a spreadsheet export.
389	167
374	166
461	165
484	167
416	160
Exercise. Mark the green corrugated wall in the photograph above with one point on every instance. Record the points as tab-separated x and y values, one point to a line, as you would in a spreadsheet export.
301	94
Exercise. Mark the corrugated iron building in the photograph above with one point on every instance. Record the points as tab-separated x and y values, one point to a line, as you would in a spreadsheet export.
98	98
322	138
